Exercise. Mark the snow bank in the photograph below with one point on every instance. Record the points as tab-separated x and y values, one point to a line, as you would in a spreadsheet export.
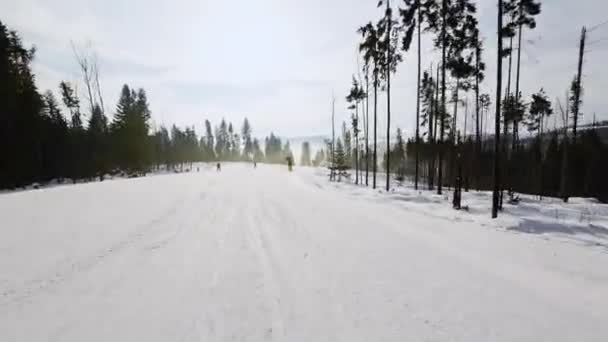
581	220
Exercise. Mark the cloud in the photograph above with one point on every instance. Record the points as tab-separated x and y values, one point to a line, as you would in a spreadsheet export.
276	61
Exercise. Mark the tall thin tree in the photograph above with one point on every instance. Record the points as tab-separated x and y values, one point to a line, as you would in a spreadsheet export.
496	189
392	57
370	48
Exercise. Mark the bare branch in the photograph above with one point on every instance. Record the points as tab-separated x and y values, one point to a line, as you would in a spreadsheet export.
96	77
87	73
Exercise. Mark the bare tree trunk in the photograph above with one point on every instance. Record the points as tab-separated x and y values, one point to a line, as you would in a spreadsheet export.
356	133
478	120
455	121
333	139
515	122
505	122
466	116
442	109
579	76
388	99
87	73
510	64
366	127
437	107
431	155
452	158
434	125
481	124
97	86
375	166
497	119
466	150
418	101
540	158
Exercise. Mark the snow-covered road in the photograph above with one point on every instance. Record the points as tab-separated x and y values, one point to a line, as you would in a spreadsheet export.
267	255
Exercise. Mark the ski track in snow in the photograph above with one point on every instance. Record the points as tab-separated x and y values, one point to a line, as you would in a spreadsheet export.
267	255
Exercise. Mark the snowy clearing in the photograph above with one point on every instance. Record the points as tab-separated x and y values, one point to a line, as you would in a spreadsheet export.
267	255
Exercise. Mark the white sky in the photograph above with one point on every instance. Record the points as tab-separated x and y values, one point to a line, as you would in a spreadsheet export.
275	61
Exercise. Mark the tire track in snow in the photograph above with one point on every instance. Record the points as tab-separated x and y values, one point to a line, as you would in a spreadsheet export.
296	256
274	287
208	323
68	270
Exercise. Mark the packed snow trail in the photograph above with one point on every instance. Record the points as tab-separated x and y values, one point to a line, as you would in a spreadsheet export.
267	255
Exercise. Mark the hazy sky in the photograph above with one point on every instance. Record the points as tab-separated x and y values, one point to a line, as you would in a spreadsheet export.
276	61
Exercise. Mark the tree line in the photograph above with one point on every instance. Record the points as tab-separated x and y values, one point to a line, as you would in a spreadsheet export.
443	152
53	136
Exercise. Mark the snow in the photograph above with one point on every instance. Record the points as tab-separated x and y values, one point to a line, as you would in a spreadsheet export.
267	255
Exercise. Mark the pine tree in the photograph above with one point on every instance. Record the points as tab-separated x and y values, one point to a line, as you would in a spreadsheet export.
414	15
346	137
388	47
71	102
207	143
221	141
540	108
319	158
340	158
258	155
575	94
500	55
370	48
397	155
97	136
355	96
429	105
522	13
286	153
162	147
130	130
55	151
248	143
274	149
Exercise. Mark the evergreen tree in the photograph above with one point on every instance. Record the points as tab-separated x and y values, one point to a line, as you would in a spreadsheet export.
339	164
247	141
429	106
372	54
77	150
319	158
397	156
388	47
98	143
347	145
455	25
355	96
522	13
130	130
71	102
209	142
222	141
274	149
575	101
414	15
540	108
258	155
162	148
38	143
54	151
286	153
